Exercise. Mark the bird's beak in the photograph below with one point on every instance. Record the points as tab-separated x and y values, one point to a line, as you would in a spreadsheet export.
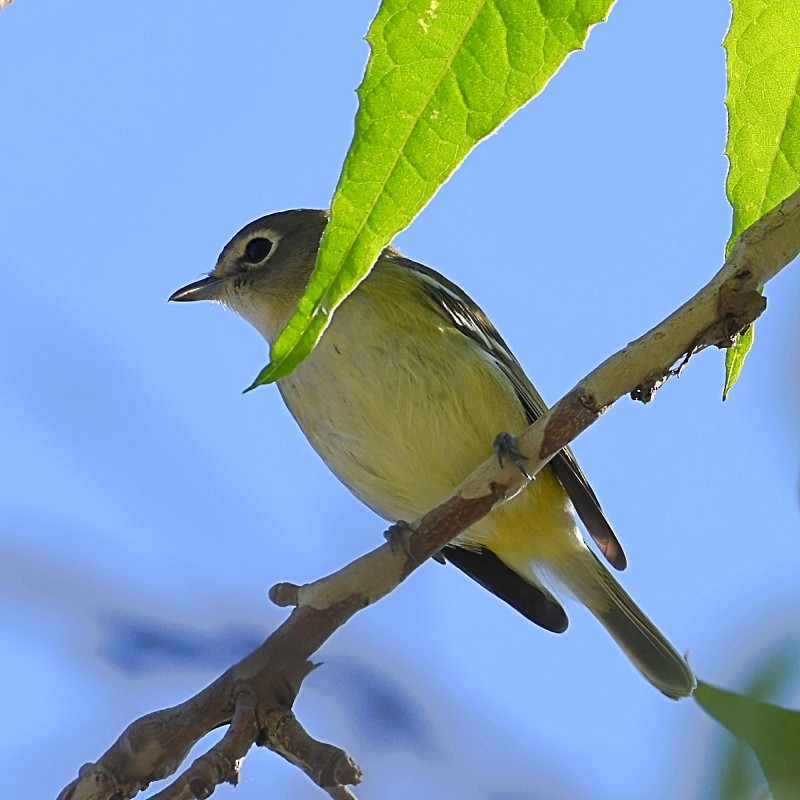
206	289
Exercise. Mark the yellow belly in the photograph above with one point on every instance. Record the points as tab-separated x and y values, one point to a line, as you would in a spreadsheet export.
402	416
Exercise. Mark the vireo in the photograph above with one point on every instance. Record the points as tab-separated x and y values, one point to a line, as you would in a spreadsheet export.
403	397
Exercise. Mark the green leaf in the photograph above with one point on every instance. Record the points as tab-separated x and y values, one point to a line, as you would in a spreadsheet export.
734	359
442	75
771	731
763	63
735	772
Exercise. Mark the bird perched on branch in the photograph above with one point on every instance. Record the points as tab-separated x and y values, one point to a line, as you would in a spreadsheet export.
403	397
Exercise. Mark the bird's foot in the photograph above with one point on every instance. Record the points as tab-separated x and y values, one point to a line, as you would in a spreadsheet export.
505	446
398	533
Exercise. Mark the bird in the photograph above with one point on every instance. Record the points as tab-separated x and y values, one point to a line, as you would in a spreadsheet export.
404	395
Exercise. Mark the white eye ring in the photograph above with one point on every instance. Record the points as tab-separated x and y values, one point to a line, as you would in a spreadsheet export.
258	249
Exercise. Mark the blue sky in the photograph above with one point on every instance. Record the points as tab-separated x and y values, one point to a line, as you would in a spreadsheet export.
147	504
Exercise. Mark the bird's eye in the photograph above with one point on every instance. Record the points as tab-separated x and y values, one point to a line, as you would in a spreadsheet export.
257	250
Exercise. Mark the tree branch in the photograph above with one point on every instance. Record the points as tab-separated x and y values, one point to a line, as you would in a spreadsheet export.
254	697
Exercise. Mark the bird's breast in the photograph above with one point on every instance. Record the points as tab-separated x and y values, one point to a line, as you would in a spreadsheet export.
400	405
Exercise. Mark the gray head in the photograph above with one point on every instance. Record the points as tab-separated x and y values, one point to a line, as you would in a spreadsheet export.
262	272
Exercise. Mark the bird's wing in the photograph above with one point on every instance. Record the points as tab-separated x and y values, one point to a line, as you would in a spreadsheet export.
470	320
531	600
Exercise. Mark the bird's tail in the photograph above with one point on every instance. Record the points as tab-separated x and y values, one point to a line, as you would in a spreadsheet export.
640	640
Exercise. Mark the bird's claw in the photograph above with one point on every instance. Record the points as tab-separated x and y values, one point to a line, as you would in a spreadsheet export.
505	446
398	533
